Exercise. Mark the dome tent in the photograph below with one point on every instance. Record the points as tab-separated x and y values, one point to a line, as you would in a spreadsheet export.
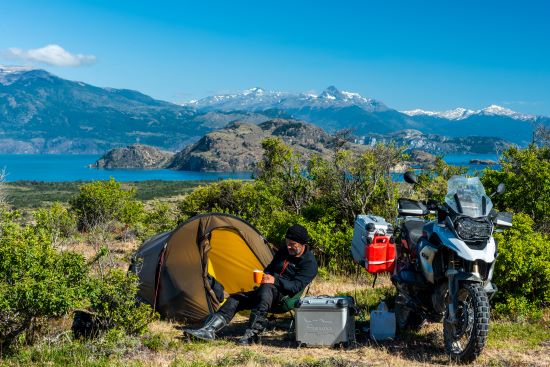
174	267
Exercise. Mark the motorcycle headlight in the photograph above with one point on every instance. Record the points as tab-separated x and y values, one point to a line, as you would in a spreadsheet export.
469	229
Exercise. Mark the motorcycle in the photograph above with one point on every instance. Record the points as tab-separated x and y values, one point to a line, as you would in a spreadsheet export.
444	267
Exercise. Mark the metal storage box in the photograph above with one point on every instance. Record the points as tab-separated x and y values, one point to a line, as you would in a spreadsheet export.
366	226
325	320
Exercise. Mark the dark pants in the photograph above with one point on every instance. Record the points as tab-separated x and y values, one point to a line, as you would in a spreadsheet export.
259	301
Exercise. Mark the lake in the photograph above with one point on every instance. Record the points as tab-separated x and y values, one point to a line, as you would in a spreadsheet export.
65	167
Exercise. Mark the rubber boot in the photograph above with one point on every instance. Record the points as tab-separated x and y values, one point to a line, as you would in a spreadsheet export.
208	331
256	325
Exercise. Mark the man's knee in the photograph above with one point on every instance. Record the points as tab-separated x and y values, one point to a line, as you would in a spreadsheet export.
266	290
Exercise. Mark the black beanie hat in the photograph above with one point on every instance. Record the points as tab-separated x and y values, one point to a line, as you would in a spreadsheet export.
297	233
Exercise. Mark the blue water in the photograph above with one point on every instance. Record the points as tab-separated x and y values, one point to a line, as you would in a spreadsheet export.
54	168
464	159
473	169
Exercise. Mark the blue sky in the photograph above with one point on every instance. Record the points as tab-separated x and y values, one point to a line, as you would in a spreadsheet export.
434	55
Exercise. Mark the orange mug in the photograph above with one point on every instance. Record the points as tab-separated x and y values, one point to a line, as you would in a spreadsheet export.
258	275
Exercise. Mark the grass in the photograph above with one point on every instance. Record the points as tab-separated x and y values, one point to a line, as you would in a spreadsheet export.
33	194
520	336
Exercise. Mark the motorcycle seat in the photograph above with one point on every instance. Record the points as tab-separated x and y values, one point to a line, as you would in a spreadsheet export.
412	231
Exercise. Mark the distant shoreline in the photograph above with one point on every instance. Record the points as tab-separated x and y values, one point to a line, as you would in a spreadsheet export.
73	168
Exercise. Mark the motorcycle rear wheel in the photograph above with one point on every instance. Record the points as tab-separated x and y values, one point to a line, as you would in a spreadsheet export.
405	318
465	339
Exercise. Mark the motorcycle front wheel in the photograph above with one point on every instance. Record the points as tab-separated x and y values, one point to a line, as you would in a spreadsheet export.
465	339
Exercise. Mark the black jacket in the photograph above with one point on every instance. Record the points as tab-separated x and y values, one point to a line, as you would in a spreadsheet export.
299	272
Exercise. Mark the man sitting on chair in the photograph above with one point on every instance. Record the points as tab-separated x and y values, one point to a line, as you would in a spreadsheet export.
293	267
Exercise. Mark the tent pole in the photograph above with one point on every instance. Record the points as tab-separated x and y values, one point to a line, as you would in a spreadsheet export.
157	277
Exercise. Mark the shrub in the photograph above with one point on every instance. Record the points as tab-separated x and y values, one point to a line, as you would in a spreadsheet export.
281	170
104	202
526	174
56	222
36	281
350	184
248	200
325	197
522	270
331	243
113	301
432	182
161	217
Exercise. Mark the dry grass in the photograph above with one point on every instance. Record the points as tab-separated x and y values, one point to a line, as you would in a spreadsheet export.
278	348
424	348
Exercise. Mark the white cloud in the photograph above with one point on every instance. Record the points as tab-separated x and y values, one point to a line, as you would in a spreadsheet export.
52	55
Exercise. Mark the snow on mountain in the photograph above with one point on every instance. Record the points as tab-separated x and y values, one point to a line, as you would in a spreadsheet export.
457	114
9	74
256	99
463	113
501	111
420	112
454	114
256	91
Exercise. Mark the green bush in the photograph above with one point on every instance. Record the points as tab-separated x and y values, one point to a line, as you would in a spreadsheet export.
331	243
522	270
56	222
526	174
252	201
105	202
36	281
282	172
161	217
113	301
349	184
432	182
244	199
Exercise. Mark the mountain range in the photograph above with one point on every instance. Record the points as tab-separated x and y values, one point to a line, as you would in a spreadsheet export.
439	144
334	110
43	113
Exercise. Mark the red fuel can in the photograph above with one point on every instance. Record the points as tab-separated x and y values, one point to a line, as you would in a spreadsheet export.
380	255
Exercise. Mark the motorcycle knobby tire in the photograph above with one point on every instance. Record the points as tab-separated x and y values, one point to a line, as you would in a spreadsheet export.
473	299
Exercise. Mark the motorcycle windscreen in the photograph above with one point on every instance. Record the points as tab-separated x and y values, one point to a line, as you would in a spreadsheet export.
467	196
231	261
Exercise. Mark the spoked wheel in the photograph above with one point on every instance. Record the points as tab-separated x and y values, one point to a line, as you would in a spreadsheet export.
465	339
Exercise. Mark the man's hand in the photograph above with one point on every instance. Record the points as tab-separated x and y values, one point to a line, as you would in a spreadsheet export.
268	279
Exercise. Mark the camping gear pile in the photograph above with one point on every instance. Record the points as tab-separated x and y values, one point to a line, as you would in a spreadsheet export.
185	274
